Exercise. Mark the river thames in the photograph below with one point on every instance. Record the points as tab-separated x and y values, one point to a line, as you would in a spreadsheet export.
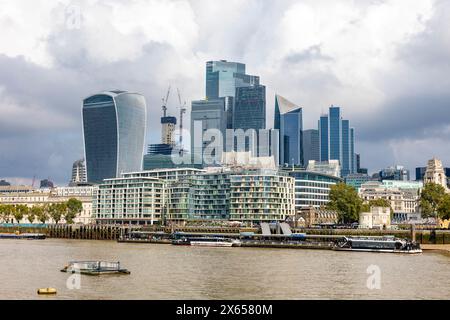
179	272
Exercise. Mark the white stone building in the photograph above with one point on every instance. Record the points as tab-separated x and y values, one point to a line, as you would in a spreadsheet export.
51	196
401	200
377	217
435	173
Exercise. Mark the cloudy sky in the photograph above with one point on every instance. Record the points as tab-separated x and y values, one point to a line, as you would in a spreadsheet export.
386	63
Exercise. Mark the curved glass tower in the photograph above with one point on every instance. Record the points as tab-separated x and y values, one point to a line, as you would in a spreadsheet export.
114	125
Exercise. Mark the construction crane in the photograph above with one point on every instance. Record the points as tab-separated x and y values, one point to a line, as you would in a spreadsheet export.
183	110
164	106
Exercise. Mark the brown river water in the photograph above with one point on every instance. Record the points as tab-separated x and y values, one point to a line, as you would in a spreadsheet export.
179	272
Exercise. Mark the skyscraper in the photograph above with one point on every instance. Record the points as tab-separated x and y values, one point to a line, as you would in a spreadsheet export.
78	173
311	150
208	114
323	138
289	122
223	77
337	140
250	108
114	124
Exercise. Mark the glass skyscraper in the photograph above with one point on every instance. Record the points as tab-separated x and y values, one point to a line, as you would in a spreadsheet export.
289	122
323	138
337	140
250	108
311	150
223	77
208	114
114	127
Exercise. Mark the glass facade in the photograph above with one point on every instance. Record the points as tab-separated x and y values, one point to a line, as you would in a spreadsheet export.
323	138
346	161
223	77
250	108
312	189
212	115
335	133
114	125
311	149
337	140
289	122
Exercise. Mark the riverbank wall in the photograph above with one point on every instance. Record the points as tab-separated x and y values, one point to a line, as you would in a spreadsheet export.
99	232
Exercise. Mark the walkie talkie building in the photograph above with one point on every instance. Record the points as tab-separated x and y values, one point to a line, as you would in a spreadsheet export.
114	128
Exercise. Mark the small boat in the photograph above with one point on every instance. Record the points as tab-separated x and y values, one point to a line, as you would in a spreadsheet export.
388	244
94	268
46	291
207	242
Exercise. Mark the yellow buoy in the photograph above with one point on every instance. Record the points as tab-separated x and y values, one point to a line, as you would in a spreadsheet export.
47	291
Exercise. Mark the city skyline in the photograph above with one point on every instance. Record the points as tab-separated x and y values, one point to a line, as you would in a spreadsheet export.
313	70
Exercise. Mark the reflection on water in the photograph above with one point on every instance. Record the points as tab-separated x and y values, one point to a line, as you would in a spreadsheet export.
178	272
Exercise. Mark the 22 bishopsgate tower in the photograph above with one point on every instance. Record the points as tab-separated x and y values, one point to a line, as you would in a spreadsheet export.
114	127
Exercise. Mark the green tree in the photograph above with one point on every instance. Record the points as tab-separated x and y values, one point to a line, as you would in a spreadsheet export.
57	211
34	213
443	209
20	211
346	201
3	212
431	198
74	207
379	203
43	214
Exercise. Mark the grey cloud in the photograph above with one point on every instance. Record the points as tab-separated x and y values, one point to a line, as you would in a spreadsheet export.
310	54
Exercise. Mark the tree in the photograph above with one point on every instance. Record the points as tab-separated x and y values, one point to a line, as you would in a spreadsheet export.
20	211
346	201
443	209
3	212
379	203
431	198
43	215
74	207
57	211
34	213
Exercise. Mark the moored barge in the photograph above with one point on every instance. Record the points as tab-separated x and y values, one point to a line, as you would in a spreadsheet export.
388	244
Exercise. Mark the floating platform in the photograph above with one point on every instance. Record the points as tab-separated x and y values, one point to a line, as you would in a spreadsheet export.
95	268
23	236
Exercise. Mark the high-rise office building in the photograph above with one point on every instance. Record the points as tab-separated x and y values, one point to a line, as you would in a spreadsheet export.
250	108
114	124
46	183
205	115
167	130
78	173
323	138
289	122
337	140
223	77
398	173
311	150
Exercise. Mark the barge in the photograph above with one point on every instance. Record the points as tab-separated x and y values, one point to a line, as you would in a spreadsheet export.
94	268
23	236
388	244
